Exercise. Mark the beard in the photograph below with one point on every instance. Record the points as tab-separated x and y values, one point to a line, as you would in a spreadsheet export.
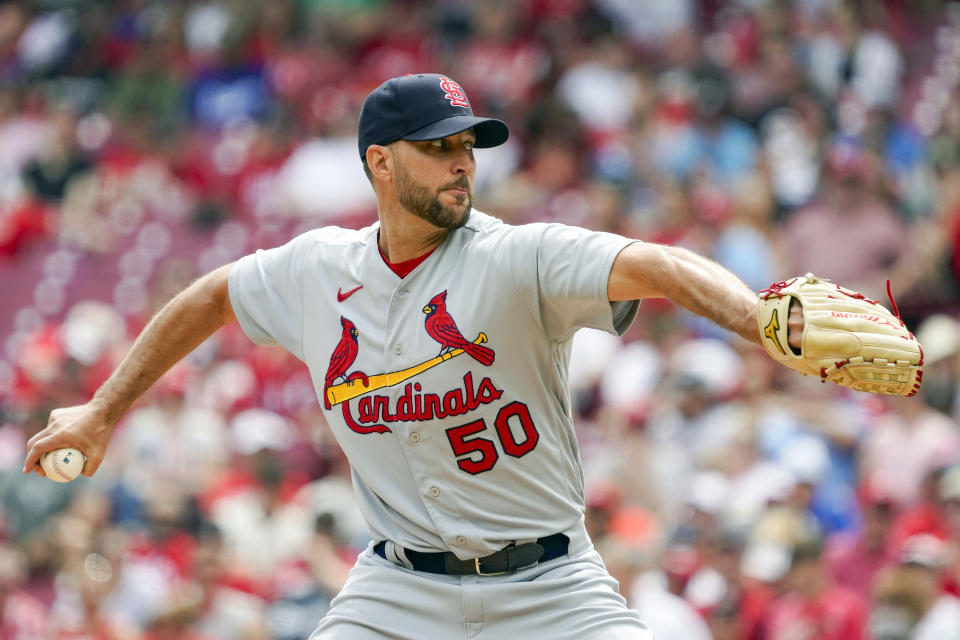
425	204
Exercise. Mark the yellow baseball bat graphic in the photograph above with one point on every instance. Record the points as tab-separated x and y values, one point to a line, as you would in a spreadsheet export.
353	388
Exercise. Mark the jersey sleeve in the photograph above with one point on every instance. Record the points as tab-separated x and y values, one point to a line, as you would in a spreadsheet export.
562	274
266	291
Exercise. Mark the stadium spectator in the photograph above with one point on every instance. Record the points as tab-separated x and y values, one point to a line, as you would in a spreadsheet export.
813	605
855	558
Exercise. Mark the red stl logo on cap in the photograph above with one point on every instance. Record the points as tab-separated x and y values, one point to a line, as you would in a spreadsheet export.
454	93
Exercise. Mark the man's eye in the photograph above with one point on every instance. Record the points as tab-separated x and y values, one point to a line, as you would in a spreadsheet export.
436	143
469	145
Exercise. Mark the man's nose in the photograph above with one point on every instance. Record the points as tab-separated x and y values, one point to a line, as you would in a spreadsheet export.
464	162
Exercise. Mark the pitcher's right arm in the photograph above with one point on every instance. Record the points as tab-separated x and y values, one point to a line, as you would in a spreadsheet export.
188	319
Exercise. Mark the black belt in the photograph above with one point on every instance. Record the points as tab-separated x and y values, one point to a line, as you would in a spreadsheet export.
504	561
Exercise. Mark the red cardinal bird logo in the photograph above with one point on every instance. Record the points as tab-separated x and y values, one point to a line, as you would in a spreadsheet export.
443	329
343	356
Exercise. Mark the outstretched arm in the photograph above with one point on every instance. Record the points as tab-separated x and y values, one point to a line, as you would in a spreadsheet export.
833	333
186	321
700	285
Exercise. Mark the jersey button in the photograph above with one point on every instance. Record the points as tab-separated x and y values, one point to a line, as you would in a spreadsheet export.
398	349
461	540
415	437
434	492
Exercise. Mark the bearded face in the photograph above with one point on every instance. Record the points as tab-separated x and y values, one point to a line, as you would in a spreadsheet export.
423	202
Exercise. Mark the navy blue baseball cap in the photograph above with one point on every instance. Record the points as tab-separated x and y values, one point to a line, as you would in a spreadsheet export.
425	106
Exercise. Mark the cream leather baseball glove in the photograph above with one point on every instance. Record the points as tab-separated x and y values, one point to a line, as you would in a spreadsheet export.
848	339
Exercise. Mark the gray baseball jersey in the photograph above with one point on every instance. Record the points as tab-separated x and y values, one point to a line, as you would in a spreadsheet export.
446	389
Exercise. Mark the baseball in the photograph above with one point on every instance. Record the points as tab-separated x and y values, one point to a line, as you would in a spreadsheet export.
62	465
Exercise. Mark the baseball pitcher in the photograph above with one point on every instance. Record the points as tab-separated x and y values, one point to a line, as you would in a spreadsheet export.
438	341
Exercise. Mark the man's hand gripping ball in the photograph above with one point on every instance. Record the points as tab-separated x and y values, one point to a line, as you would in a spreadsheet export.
848	339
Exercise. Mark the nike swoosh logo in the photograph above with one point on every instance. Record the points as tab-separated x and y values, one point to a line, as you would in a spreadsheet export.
343	296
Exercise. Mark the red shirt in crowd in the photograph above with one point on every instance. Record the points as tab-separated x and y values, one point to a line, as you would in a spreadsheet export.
837	613
852	563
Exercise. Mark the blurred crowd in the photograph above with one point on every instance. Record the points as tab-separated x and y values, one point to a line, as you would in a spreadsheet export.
145	142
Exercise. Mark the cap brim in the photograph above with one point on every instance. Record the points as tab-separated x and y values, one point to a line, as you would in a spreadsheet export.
490	131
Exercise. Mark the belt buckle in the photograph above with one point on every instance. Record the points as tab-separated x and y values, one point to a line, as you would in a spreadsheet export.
480	572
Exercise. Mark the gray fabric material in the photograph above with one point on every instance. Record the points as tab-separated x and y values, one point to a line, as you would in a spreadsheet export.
564	599
527	289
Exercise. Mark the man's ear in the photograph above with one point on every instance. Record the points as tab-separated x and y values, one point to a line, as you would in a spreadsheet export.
380	162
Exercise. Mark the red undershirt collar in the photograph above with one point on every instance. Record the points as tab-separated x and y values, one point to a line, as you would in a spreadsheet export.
405	267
